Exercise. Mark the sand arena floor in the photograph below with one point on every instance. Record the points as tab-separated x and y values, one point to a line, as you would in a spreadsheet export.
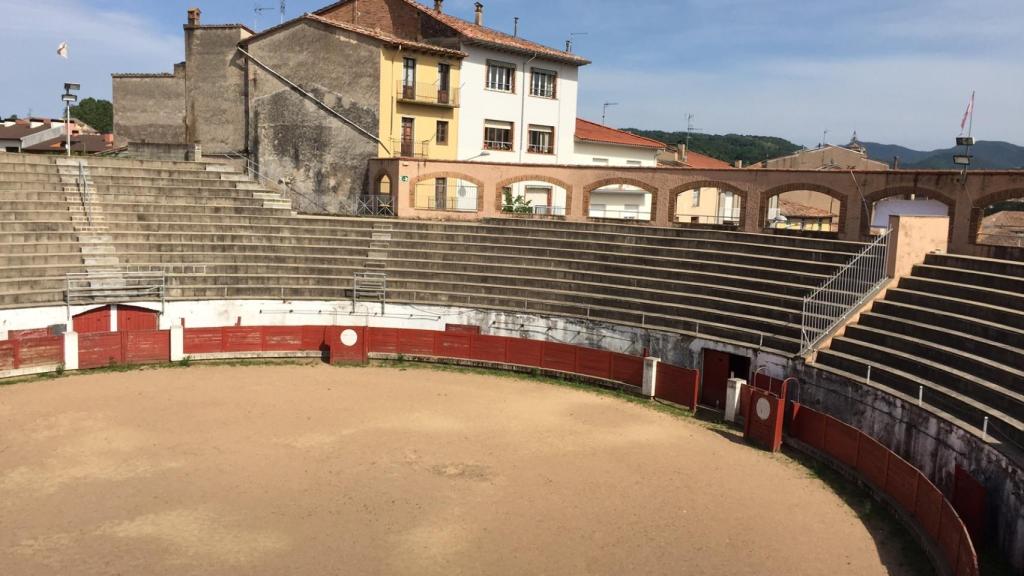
318	470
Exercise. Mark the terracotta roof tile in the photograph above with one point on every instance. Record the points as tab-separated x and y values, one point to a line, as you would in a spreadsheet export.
593	132
792	209
698	160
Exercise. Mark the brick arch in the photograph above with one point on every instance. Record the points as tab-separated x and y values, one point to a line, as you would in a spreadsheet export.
931	194
375	182
627	181
843	198
533	178
414	182
978	210
673	196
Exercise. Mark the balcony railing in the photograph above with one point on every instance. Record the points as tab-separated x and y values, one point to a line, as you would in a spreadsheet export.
620	214
403	148
452	197
713	220
533	210
429	94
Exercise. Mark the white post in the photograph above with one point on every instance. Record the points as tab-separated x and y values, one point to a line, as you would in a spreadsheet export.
177	343
732	397
113	317
67	124
71	350
650	376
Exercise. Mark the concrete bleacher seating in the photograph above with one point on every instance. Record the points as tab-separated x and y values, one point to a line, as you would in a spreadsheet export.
953	330
215	234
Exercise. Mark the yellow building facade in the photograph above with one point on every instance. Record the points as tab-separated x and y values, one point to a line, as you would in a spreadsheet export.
419	103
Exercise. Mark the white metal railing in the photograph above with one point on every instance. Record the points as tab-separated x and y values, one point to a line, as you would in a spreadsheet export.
83	193
837	297
619	214
114	286
369	286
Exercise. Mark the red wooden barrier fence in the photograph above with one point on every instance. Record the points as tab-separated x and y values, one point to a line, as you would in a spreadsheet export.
30	351
887	472
676	384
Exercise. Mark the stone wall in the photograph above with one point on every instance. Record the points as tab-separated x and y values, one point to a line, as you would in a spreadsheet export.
149	107
215	88
293	137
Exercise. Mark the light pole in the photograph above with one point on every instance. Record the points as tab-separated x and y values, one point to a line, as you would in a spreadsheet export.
68	97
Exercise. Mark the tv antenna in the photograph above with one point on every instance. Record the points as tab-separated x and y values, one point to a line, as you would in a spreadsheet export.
568	43
604	110
824	138
689	129
257	10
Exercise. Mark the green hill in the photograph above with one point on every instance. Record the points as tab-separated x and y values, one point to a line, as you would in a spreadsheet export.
726	147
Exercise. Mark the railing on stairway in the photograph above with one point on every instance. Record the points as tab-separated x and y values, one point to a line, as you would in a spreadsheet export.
369	286
840	295
113	286
83	193
252	169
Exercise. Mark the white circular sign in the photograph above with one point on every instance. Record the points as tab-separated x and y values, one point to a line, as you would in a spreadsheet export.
763	408
349	337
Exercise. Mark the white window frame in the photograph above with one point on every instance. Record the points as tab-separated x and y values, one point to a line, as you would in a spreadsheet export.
500	77
497	144
543	91
538	129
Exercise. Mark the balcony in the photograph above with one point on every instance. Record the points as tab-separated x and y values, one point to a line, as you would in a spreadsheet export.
427	95
404	148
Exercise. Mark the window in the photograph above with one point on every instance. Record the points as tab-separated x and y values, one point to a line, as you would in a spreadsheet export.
497	135
409	72
600	160
542	83
442	132
542	139
696	197
443	76
632	163
501	76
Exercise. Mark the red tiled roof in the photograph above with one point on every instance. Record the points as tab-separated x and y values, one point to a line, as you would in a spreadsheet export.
593	132
698	160
792	209
487	36
371	33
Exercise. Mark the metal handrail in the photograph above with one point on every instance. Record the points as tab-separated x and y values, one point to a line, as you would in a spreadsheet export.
837	297
114	286
252	170
82	193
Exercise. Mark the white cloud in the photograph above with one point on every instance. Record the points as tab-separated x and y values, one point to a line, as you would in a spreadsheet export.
100	42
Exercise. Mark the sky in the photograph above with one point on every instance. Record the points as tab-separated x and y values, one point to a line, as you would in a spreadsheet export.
894	71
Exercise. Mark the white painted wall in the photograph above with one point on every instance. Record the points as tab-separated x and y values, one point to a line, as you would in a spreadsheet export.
531	189
904	207
612	202
586	152
479	104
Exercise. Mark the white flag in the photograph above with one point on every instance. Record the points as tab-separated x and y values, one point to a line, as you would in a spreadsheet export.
62	50
967	113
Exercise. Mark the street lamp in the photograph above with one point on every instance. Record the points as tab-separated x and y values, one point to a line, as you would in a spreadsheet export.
68	97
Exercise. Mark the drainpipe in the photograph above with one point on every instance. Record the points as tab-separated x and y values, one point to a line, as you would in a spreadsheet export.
522	110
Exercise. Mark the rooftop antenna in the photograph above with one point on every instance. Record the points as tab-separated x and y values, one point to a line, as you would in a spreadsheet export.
282	11
515	29
257	10
689	128
568	43
824	138
604	110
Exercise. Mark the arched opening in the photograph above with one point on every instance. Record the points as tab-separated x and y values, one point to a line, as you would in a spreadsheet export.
384	185
808	210
708	204
539	197
446	192
620	200
1001	222
903	203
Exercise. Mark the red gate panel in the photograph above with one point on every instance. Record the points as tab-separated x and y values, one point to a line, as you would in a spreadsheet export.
282	338
597	363
969	501
628	369
242	338
347	344
203	340
143	346
763	420
524	352
40	351
313	337
418	342
97	320
557	356
98	349
808	426
677	384
130	318
715	369
489	348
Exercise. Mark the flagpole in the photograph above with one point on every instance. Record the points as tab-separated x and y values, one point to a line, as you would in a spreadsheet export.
970	121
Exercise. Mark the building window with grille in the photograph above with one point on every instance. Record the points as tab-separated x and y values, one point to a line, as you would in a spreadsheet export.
409	78
696	197
501	76
497	135
542	139
442	132
543	82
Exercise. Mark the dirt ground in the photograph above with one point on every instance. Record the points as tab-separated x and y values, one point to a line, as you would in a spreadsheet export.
319	470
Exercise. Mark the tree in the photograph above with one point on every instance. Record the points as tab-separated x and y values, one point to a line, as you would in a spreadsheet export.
96	113
11	118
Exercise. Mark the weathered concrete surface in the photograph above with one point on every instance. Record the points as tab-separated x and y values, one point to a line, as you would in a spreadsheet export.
215	88
149	107
932	444
294	138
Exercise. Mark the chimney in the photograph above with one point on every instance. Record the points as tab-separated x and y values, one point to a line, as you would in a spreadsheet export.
193	16
680	152
739	164
437	5
479	14
896	162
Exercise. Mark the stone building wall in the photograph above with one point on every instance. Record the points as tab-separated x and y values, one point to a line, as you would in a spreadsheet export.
215	88
292	137
149	107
